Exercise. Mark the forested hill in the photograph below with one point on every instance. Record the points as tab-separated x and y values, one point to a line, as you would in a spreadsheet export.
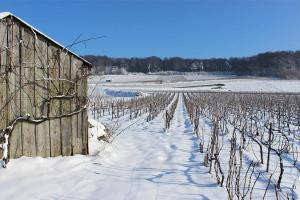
283	64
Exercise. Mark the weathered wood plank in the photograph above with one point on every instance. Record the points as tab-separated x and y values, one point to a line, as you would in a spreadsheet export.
12	62
84	114
43	139
66	131
14	106
76	141
66	122
27	92
3	44
54	85
54	90
41	95
76	134
41	75
73	88
55	139
84	132
79	93
80	130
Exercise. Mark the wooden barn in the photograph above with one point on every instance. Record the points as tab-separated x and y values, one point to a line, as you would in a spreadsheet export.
43	94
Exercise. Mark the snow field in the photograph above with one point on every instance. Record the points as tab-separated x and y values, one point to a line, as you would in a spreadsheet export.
193	82
144	162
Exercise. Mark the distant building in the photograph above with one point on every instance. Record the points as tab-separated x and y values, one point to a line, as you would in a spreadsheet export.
43	93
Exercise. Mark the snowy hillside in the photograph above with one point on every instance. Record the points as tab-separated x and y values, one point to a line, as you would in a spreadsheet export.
193	82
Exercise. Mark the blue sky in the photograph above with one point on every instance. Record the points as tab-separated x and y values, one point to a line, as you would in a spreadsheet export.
166	28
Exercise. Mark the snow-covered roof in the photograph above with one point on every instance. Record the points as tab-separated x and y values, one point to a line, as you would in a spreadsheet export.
5	14
8	14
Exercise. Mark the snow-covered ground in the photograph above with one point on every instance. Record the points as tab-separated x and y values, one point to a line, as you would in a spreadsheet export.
194	82
162	77
144	162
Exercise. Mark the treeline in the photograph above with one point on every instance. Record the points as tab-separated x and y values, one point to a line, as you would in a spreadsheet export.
283	64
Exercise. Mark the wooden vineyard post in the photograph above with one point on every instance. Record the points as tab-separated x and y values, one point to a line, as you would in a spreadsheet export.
112	111
94	110
269	146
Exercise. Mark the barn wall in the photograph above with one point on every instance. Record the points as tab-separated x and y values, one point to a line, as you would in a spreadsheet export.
44	68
